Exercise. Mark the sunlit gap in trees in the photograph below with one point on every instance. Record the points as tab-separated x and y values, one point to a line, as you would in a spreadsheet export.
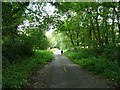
49	33
38	12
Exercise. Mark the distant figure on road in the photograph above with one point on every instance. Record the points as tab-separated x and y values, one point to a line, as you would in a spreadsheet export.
61	52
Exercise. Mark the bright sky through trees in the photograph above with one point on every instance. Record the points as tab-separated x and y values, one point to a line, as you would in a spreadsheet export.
47	9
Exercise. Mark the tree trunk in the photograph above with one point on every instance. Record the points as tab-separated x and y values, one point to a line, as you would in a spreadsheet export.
77	35
71	40
98	30
113	24
118	17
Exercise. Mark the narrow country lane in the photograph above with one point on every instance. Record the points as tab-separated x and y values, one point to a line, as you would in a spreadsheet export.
66	74
62	73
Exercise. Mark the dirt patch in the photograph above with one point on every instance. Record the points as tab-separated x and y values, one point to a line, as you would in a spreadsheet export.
38	79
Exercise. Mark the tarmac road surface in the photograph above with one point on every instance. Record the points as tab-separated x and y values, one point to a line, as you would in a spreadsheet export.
62	73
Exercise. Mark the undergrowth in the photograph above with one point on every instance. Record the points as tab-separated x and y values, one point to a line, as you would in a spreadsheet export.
15	75
98	62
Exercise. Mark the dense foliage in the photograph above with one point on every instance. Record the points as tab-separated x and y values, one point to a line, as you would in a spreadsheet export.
16	75
20	38
93	27
90	25
97	63
23	35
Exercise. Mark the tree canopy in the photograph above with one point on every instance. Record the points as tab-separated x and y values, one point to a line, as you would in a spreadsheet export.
76	25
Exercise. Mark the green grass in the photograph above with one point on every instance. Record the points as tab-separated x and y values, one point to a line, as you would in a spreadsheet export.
98	65
15	75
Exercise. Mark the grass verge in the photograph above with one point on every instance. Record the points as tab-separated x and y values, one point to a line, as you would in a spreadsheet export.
98	65
15	75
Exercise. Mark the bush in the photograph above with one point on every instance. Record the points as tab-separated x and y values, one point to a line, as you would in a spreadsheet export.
15	75
12	52
110	52
102	61
102	66
77	55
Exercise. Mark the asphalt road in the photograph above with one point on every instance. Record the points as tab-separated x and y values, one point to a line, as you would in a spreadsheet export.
62	73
